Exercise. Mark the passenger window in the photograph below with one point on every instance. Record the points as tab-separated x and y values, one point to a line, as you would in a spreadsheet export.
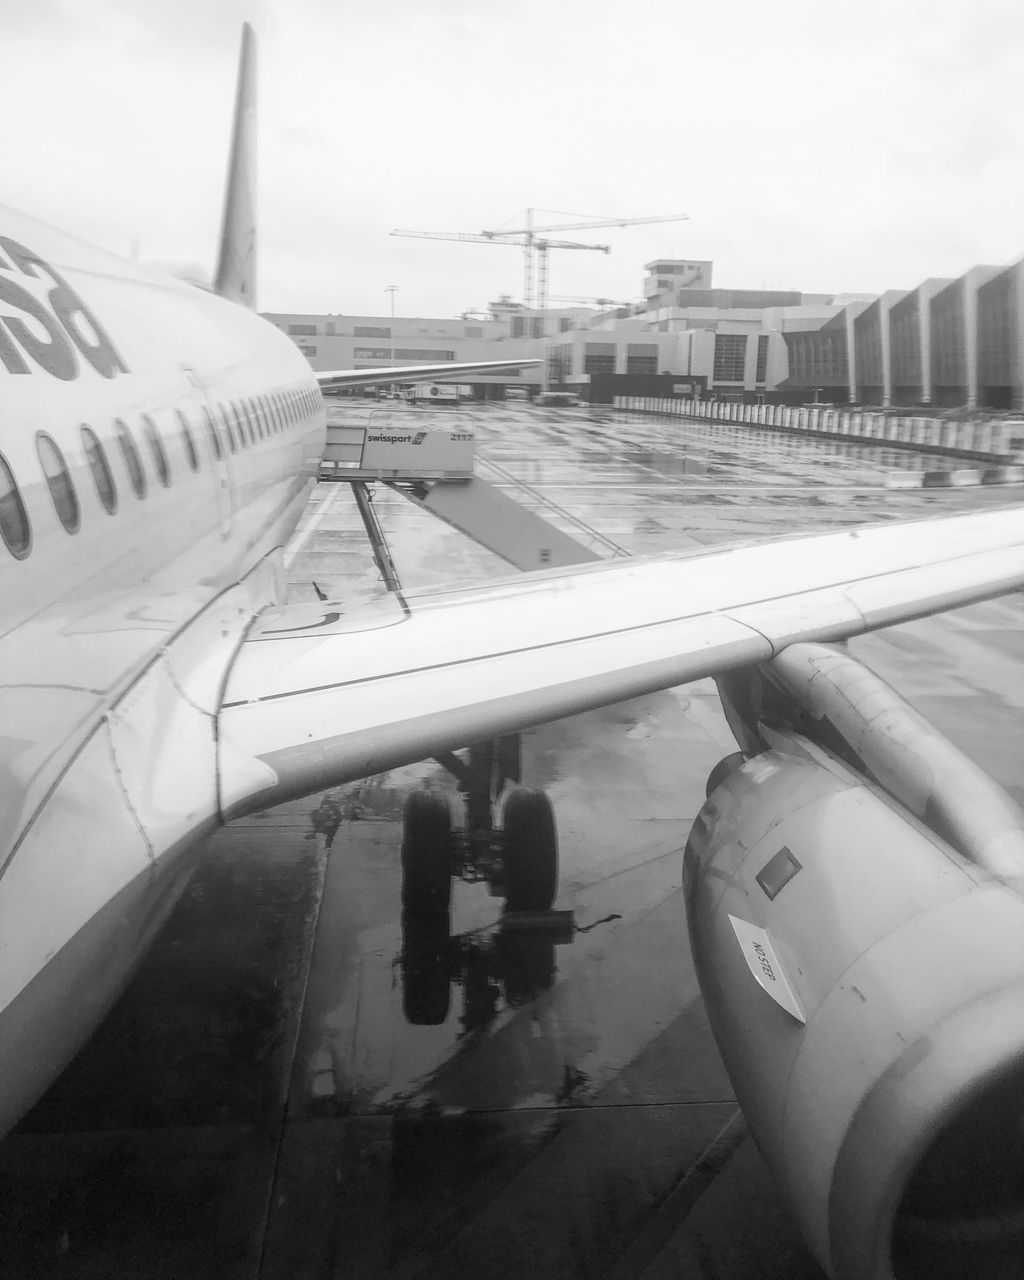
230	431
261	422
131	458
239	426
99	466
62	491
249	417
14	526
156	448
275	401
211	431
191	456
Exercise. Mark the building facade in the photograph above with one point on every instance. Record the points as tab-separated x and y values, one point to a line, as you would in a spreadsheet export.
371	342
946	344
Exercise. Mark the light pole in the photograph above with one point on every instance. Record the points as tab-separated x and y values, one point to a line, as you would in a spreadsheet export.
392	289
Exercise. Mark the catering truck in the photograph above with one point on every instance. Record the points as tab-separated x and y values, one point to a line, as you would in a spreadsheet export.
446	393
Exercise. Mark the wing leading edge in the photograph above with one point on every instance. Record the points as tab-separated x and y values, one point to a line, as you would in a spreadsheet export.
337	378
317	697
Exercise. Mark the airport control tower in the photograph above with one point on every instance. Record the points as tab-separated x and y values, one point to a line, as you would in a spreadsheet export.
668	277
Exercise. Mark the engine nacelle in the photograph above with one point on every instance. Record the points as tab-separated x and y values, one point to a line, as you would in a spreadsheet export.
865	984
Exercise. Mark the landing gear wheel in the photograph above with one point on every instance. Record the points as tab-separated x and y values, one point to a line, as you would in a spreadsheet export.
426	855
531	852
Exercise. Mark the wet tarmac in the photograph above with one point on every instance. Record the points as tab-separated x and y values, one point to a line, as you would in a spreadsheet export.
297	1085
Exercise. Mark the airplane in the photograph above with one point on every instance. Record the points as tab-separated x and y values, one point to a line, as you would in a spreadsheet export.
853	883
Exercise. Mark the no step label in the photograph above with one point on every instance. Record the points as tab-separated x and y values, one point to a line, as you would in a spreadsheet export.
764	964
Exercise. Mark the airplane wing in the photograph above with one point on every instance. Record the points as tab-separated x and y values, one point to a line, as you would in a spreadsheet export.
319	695
332	379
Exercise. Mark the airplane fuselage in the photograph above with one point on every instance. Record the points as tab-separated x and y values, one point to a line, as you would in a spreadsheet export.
157	447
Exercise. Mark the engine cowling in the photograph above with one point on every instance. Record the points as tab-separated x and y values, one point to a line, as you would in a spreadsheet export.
865	984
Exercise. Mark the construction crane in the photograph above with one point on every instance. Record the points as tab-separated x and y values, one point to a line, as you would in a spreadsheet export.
529	229
601	302
531	244
529	240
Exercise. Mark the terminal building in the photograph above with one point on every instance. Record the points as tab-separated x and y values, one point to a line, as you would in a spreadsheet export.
374	342
948	343
688	338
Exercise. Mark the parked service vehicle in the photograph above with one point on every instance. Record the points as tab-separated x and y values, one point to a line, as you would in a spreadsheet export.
446	393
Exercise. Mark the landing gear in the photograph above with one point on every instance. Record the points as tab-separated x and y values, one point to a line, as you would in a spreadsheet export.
519	860
530	852
426	855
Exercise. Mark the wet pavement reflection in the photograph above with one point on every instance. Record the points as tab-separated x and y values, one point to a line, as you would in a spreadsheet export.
303	1081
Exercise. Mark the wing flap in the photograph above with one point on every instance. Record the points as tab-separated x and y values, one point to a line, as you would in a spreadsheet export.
320	697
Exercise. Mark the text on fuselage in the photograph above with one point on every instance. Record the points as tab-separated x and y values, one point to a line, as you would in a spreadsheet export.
68	324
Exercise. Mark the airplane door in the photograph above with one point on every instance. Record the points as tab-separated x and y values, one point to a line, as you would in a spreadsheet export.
214	447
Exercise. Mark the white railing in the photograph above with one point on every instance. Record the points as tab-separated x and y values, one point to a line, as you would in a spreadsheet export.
1001	438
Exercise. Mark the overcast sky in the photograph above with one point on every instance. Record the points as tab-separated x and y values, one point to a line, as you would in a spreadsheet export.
815	145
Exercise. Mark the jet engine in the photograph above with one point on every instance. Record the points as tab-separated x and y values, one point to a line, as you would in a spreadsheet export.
864	975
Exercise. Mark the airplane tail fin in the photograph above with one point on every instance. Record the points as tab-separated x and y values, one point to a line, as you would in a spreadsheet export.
235	277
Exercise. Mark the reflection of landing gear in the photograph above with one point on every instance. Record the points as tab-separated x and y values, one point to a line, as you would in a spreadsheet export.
519	861
506	965
425	965
526	961
426	898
